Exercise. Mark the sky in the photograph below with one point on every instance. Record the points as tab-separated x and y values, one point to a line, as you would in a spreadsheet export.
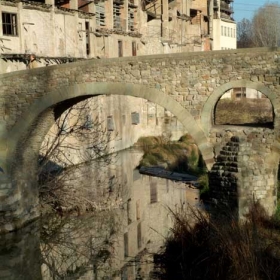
246	8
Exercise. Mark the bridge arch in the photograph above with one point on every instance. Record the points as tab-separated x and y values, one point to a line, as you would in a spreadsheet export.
207	114
42	109
233	151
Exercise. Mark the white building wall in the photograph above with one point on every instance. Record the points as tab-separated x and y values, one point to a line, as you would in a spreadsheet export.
224	35
228	35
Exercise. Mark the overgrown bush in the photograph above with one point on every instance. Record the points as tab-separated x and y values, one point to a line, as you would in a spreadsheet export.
179	156
201	248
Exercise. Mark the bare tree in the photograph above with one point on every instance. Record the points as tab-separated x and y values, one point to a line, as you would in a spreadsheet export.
244	34
67	179
75	247
266	25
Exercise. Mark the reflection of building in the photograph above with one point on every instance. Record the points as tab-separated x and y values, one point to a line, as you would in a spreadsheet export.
122	237
125	118
224	26
64	31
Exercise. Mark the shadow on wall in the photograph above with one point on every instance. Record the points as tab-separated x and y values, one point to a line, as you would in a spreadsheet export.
223	180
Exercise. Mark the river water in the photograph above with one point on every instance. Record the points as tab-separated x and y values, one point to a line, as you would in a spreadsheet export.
130	223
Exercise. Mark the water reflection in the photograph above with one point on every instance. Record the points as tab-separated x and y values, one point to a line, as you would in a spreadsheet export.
116	241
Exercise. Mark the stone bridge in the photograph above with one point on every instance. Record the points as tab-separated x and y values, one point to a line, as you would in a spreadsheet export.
242	161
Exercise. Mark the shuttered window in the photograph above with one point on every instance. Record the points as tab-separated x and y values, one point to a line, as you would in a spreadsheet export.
9	24
100	14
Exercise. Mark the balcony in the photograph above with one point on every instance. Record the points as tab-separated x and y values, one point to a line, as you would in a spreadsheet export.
226	8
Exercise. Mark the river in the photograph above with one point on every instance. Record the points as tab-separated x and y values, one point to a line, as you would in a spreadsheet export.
118	240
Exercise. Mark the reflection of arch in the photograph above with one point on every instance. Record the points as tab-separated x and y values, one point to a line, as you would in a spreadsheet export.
207	114
42	110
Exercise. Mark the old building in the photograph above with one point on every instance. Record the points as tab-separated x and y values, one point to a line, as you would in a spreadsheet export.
60	31
224	27
63	31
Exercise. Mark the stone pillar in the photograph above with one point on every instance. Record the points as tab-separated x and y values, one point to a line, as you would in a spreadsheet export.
245	172
164	19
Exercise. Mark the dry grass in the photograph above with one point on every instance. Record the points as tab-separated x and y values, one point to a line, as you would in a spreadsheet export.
200	248
245	111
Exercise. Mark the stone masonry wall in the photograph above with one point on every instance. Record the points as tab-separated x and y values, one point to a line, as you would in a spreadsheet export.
190	78
188	85
245	168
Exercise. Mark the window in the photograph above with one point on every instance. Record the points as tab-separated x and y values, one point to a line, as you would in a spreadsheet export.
100	14
110	123
125	239
138	209
117	16
88	123
87	38
9	24
129	216
120	48
139	236
153	192
130	19
133	48
135	118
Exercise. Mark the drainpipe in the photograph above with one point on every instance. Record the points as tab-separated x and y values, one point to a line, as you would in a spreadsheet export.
164	19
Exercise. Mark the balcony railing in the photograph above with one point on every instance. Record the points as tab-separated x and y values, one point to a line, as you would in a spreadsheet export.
226	7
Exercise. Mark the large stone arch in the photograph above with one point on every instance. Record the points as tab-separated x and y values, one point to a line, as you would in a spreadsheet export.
207	114
26	136
41	108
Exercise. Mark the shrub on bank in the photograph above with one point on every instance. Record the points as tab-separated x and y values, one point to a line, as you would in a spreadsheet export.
201	248
179	156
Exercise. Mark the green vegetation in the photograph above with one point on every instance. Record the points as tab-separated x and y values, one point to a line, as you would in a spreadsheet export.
181	156
201	248
178	156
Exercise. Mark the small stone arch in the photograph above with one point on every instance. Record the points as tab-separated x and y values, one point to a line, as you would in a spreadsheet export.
207	114
42	109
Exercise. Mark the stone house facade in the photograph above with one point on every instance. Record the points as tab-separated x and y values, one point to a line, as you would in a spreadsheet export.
223	30
63	31
69	30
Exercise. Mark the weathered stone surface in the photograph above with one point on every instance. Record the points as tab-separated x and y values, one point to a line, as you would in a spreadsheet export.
188	84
